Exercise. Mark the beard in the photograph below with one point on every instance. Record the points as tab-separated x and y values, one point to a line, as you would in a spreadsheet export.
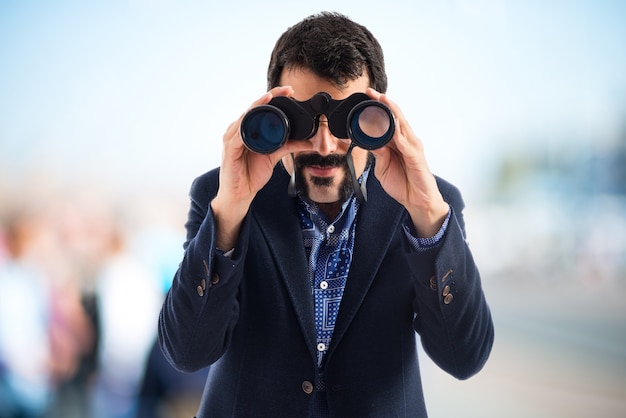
333	160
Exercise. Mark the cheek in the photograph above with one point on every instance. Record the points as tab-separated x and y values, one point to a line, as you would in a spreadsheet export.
359	156
343	145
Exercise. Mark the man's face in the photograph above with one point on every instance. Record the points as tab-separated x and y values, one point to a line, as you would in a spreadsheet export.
322	174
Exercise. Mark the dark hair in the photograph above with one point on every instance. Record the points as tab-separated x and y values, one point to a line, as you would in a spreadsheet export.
331	46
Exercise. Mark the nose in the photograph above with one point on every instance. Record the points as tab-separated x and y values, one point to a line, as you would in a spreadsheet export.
324	143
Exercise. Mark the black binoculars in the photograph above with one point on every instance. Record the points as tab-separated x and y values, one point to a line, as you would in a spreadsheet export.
369	124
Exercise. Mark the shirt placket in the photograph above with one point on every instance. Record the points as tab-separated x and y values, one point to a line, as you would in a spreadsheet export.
329	260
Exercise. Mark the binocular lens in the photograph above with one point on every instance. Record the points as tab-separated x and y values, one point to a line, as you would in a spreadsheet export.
371	125
265	129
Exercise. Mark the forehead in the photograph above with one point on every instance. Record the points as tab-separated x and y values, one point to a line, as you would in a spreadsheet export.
306	84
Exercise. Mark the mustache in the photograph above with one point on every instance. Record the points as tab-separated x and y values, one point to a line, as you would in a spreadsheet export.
309	160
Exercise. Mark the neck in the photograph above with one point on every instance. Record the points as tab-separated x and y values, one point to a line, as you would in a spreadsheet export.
331	210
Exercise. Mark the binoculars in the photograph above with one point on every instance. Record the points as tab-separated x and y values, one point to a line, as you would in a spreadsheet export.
369	124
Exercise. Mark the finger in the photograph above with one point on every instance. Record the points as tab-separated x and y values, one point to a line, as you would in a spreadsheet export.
383	98
403	128
373	94
276	91
281	91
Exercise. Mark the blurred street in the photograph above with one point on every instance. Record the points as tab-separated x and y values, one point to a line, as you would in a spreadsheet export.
560	351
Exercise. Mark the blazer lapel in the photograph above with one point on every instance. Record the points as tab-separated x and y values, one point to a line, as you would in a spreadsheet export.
382	214
277	217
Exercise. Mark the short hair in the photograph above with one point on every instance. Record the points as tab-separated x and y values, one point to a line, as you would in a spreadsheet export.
333	47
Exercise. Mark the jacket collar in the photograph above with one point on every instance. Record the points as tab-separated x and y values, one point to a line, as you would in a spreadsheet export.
377	222
277	217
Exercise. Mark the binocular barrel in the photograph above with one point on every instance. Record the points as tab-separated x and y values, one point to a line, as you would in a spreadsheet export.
369	124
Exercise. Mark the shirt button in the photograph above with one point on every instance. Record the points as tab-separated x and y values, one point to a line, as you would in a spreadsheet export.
324	285
307	387
321	347
330	229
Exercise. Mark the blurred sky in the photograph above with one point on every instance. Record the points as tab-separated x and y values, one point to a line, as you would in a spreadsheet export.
137	93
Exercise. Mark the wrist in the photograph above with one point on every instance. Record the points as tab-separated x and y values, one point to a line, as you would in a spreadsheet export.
228	219
428	221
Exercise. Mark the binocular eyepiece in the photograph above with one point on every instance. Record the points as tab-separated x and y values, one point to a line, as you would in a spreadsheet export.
369	124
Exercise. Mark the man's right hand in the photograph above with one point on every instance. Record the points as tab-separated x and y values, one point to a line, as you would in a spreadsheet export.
242	174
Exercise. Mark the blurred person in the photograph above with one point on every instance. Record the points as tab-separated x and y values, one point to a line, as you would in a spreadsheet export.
26	375
63	250
304	296
128	295
166	392
44	331
72	343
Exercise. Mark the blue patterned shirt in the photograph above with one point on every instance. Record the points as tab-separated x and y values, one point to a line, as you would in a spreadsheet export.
329	246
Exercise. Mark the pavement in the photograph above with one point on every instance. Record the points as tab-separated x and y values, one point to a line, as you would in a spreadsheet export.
560	351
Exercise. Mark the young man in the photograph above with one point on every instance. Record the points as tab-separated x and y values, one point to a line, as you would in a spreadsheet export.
306	304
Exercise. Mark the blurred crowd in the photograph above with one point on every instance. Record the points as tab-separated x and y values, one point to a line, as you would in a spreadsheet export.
81	286
83	273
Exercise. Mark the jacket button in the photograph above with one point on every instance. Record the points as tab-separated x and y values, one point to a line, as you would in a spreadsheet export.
433	283
448	298
200	291
307	387
446	290
215	279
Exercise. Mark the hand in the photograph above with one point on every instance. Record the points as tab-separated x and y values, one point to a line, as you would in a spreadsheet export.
403	172
243	173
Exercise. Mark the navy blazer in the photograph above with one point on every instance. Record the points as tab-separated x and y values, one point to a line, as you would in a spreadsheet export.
251	317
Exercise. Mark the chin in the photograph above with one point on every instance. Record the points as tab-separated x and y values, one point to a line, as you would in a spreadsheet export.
323	196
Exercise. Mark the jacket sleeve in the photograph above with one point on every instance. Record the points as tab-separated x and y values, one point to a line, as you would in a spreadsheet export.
200	309
452	315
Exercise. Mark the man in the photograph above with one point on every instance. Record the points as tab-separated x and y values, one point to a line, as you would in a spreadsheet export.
306	304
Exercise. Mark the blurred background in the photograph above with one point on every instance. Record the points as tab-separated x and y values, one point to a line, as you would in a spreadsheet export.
110	109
